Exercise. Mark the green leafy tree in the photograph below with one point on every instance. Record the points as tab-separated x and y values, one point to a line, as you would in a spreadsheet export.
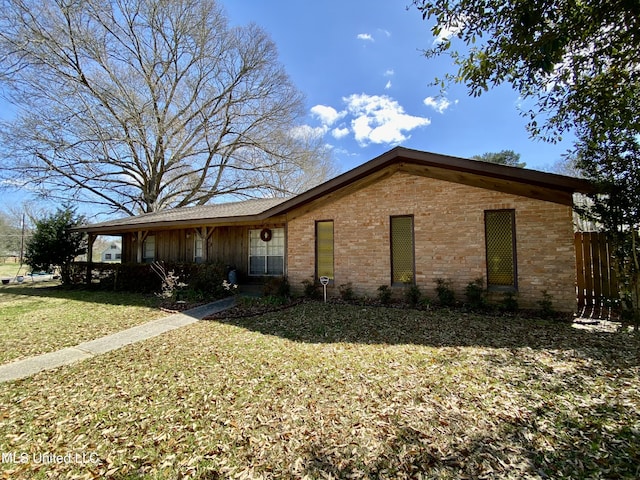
54	244
614	166
504	157
577	66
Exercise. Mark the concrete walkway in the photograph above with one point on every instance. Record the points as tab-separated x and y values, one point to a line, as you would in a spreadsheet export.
32	365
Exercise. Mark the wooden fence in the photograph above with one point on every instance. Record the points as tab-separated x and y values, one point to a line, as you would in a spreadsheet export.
597	285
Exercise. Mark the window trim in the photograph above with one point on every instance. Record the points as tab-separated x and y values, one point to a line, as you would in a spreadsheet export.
197	238
145	243
333	251
514	250
413	243
284	252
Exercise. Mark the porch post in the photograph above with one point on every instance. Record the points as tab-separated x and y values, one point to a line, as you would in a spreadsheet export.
205	242
208	234
91	238
140	237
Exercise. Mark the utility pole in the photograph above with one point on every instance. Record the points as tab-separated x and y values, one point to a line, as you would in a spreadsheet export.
22	242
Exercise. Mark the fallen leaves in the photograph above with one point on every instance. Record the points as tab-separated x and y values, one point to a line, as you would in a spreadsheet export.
322	391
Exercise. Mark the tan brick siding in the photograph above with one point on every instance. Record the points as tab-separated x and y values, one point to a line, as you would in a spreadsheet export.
449	238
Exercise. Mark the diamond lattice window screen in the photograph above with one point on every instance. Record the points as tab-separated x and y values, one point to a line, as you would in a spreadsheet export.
402	250
501	253
324	249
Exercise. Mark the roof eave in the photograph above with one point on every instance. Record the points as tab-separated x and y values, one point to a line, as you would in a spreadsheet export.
399	155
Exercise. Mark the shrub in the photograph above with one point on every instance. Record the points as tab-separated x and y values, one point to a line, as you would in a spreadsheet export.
509	302
346	292
546	304
446	295
384	294
277	287
311	289
412	295
476	295
171	283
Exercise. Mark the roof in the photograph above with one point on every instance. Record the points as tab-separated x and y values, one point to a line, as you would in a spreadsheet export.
218	213
518	181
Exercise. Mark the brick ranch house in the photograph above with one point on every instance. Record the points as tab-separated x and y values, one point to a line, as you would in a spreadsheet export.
404	217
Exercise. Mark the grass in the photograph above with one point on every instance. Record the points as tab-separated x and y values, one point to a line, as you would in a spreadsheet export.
10	269
327	391
38	318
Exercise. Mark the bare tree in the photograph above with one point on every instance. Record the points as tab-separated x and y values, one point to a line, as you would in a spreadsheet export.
141	105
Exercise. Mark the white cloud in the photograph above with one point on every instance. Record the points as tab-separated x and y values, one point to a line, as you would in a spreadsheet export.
327	115
308	132
439	105
388	85
380	119
365	36
339	133
389	73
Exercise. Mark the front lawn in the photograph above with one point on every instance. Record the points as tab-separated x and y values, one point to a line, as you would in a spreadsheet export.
327	391
38	318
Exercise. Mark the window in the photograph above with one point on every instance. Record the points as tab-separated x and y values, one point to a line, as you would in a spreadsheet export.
500	239
149	249
118	256
198	248
266	257
324	249
402	250
107	256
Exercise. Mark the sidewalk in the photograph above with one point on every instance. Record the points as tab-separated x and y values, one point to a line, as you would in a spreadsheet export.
32	365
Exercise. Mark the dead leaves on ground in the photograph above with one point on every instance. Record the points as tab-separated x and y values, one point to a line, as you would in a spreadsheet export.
339	392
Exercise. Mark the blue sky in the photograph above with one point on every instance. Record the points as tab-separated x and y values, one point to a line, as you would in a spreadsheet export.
367	84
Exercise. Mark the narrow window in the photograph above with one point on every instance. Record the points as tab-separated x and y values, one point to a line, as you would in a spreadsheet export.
149	249
324	249
500	239
402	250
198	248
266	257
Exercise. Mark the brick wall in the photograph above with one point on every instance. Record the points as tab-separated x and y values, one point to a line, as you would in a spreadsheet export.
449	238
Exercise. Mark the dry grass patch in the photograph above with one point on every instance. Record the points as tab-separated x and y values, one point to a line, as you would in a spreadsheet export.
40	318
339	392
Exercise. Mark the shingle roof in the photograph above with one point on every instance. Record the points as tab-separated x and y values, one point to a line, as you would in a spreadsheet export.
519	181
187	215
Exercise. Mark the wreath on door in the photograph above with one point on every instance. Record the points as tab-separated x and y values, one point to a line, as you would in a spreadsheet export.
266	234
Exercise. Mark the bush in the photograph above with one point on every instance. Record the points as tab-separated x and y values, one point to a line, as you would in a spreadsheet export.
277	287
412	295
476	295
509	302
446	295
546	304
203	280
311	289
384	294
346	292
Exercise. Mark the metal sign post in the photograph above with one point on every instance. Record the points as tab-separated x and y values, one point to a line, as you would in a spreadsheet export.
324	281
